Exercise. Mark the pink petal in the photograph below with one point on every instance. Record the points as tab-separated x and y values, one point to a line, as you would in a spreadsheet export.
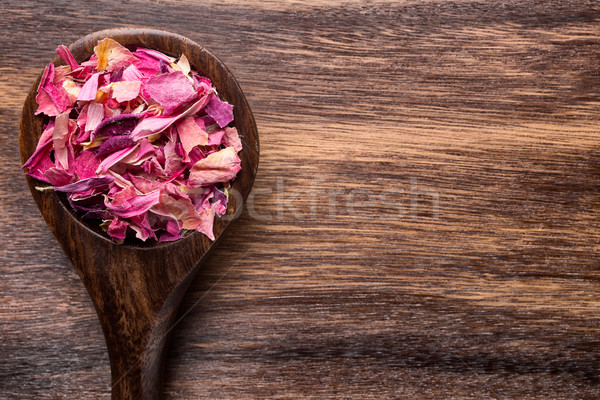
207	218
141	226
217	167
64	53
95	115
183	210
85	165
191	134
172	160
232	138
136	205
58	177
117	229
151	125
146	64
52	100
132	74
203	85
114	158
44	141
90	88
173	229
123	195
40	162
152	167
154	54
215	138
145	185
146	150
126	90
60	138
170	90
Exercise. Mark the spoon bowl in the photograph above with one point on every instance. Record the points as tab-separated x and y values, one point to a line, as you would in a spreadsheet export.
136	287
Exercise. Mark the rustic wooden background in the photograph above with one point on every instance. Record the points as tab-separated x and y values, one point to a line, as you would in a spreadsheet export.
425	220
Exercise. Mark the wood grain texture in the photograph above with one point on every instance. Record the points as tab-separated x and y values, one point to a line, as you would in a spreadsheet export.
475	277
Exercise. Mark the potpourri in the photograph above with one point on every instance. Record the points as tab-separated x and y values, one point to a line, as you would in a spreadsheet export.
136	140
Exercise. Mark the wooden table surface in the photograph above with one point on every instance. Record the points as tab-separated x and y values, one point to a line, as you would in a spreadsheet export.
424	223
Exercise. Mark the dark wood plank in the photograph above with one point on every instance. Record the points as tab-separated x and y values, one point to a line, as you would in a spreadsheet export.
489	110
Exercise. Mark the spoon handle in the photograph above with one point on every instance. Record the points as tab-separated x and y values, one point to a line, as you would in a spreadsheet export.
136	293
137	350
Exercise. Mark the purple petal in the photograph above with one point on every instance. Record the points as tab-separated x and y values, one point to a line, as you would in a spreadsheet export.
221	111
85	184
112	144
122	124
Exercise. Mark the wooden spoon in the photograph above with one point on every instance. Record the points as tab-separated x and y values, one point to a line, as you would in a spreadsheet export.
137	287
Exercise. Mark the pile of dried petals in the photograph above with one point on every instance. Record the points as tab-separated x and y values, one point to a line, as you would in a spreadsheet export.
137	140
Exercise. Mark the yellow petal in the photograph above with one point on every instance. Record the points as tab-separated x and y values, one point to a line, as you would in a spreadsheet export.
94	143
111	55
103	50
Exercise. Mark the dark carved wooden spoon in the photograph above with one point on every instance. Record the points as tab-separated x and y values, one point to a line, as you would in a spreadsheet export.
137	287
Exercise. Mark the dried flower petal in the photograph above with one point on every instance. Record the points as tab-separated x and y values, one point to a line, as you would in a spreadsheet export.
170	90
85	184
220	111
137	140
89	89
153	125
126	90
94	116
217	167
64	53
52	100
111	55
117	229
122	124
191	133
231	138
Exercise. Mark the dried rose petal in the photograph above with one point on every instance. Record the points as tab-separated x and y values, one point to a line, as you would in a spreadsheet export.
170	90
51	98
220	111
138	140
122	124
217	167
89	89
111	55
